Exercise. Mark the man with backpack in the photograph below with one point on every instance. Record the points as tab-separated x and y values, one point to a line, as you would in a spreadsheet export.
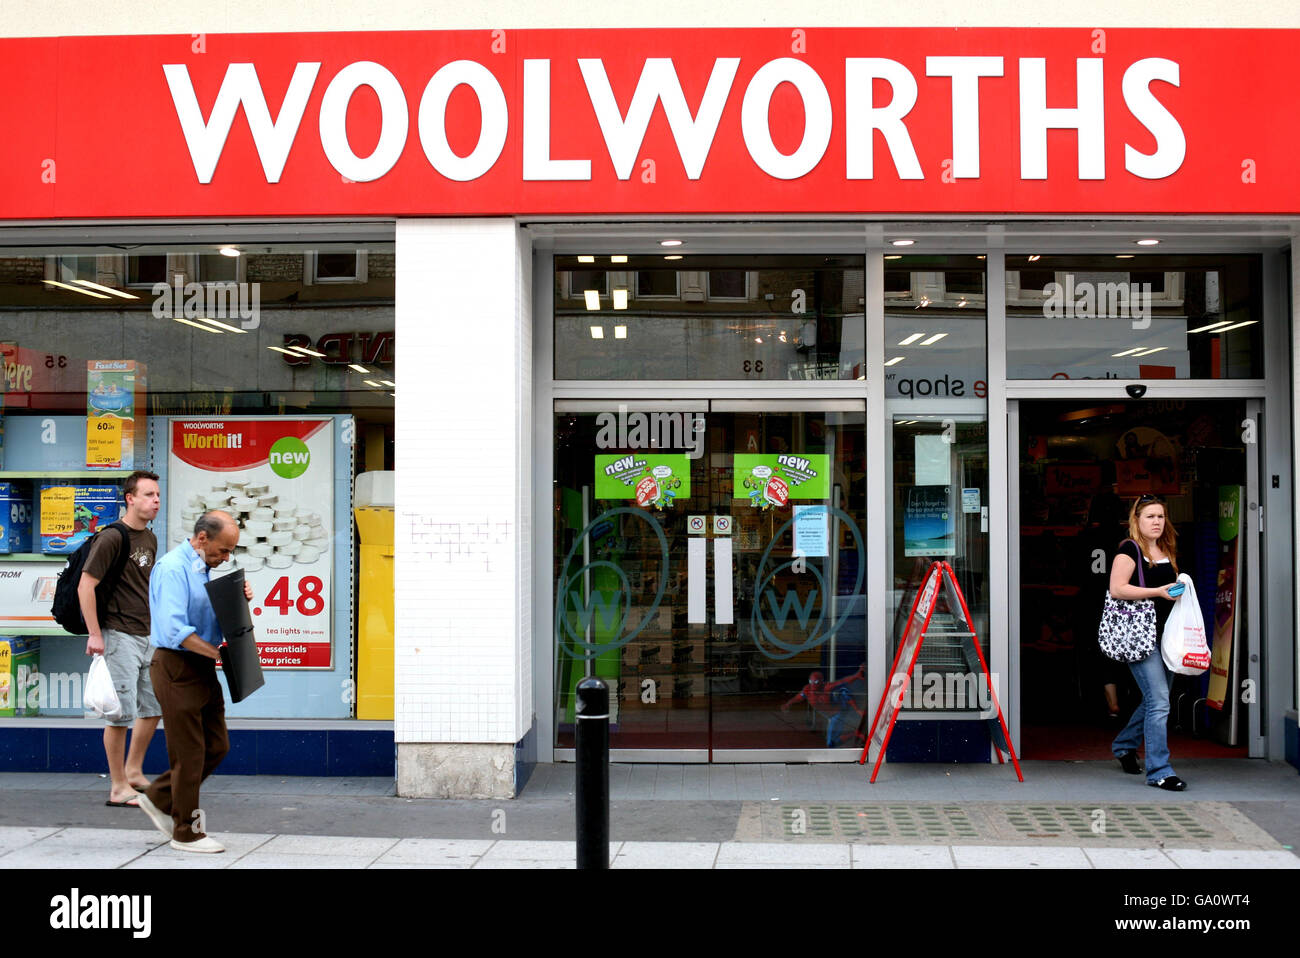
121	559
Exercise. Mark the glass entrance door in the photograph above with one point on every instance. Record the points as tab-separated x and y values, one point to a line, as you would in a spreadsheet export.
710	565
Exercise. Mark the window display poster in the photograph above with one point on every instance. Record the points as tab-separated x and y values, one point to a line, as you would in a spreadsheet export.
928	527
773	479
651	478
811	533
275	476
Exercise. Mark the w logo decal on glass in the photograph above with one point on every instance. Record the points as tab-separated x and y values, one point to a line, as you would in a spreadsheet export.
593	601
817	616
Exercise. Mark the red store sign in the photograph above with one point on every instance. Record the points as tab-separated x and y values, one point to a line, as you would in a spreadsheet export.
1122	121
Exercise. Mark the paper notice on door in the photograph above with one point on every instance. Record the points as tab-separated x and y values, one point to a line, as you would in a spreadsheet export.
723	601
697	574
811	537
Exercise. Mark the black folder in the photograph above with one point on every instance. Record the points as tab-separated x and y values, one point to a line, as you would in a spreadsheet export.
239	658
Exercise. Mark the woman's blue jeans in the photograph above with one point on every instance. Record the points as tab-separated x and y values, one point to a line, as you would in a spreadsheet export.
1150	720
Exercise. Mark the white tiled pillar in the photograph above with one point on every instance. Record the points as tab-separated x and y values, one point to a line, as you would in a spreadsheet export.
463	687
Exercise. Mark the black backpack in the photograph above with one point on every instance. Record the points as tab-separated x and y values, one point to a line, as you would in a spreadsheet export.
66	608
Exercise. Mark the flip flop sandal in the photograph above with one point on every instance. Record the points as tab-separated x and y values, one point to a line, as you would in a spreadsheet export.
129	803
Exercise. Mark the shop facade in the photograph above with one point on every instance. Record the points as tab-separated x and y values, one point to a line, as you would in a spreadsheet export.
706	358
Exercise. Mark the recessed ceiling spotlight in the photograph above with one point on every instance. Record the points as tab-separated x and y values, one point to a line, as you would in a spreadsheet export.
670	242
894	256
904	242
618	259
911	339
592	297
1124	255
360	369
620	298
896	359
597	332
620	332
1148	242
674	256
586	259
1035	258
229	251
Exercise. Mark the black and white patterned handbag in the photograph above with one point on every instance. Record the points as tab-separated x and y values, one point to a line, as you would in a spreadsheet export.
1128	626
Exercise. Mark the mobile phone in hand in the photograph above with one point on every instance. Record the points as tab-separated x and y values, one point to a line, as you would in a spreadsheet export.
1177	589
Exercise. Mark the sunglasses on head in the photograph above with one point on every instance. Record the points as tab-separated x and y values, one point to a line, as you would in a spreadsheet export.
1143	500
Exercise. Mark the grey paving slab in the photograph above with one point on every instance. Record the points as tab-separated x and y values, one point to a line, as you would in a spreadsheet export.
237	846
1218	858
666	855
641	784
902	856
505	854
783	866
668	782
695	782
774	782
331	862
749	782
328	845
1129	858
84	848
443	852
774	853
619	777
722	783
1018	856
14	837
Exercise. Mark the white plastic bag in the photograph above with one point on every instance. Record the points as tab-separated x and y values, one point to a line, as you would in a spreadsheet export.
1183	645
100	696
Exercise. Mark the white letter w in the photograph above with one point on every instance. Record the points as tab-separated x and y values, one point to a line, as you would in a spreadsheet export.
241	85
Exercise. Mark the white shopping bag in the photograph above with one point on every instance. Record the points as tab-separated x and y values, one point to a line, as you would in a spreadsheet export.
100	696
1183	645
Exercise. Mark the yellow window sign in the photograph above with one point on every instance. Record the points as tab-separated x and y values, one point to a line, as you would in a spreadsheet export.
104	441
57	510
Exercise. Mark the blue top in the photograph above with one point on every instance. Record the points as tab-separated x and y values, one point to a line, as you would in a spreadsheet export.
178	602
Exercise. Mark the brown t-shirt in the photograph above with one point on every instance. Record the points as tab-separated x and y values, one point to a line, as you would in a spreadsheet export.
128	607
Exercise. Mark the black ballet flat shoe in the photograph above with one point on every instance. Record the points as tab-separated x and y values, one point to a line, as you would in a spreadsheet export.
1129	762
1170	783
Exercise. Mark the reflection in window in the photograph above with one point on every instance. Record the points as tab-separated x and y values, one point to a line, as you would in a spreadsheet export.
712	317
1134	317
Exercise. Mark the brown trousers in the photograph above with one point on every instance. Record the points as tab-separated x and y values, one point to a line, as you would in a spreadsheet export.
194	719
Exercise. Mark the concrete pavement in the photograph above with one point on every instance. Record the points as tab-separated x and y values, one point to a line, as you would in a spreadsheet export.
1082	815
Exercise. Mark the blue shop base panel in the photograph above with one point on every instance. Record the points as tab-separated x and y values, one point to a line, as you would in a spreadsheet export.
939	742
363	752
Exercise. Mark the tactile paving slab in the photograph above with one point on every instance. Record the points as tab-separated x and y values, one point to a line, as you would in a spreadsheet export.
1185	825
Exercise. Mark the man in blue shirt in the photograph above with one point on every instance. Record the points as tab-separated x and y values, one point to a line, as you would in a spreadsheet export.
184	629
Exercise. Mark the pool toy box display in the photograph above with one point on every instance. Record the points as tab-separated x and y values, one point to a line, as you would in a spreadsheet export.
69	515
15	517
115	413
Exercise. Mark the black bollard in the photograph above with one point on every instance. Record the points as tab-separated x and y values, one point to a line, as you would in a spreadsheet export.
592	790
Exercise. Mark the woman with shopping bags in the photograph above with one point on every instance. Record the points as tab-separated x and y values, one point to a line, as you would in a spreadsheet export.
1137	607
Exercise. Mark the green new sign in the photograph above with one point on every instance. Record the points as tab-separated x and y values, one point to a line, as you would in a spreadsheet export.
651	478
772	479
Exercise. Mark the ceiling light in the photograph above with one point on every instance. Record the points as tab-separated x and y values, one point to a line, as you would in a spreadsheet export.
1206	329
229	251
1249	322
933	339
586	259
759	340
670	242
360	369
620	332
389	383
896	359
1128	352
217	322
911	339
674	256
782	336
961	302
620	299
592	296
106	289
1148	242
1124	255
206	329
597	332
304	351
374	385
1035	258
894	256
75	289
925	301
980	256
904	242
287	352
618	259
1148	352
